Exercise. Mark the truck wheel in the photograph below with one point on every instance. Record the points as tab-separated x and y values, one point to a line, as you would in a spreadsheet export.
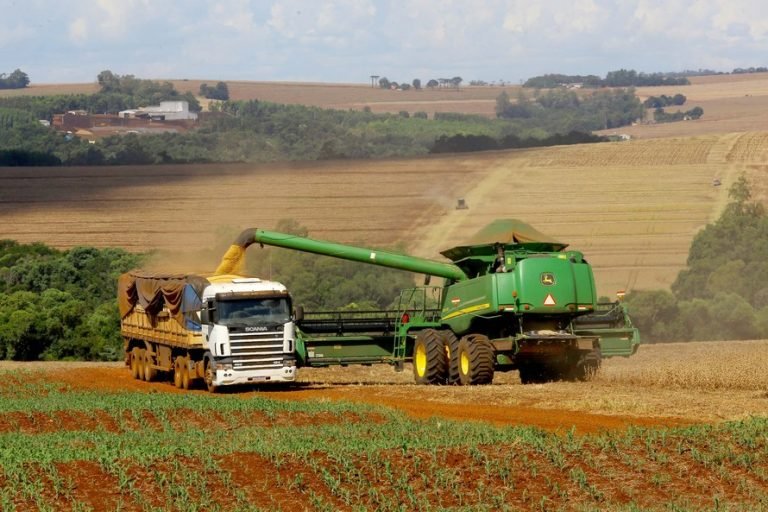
430	363
210	375
451	347
149	372
185	380
178	367
475	360
135	363
140	362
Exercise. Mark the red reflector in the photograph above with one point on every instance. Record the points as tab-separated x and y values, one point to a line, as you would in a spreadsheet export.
405	318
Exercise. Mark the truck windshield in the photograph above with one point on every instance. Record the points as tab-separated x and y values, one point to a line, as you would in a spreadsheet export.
254	311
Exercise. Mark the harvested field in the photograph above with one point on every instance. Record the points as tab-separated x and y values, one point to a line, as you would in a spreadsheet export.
88	437
632	207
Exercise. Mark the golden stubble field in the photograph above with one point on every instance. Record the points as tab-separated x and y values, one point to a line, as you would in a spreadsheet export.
632	207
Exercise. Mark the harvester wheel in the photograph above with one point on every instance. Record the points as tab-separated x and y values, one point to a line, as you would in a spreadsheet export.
475	360
178	367
135	363
451	347
185	380
149	372
430	363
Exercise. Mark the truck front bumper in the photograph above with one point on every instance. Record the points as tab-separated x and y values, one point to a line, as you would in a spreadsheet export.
230	377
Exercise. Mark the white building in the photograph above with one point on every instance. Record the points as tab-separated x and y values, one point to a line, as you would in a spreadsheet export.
166	111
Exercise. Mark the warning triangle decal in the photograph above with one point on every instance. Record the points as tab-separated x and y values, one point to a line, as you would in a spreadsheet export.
549	301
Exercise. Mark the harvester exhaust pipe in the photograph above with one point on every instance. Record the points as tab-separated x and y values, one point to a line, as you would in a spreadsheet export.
233	259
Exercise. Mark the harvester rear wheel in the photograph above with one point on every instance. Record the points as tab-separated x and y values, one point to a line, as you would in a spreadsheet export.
178	366
135	363
451	347
149	372
430	364
476	360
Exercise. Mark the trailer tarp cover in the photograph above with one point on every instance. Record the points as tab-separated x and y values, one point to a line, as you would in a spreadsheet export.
506	232
179	292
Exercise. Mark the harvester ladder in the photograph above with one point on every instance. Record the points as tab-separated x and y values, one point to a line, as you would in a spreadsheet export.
415	302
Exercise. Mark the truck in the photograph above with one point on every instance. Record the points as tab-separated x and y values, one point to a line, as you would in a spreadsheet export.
222	329
512	298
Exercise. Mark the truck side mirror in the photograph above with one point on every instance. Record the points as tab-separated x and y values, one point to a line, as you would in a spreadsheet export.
298	313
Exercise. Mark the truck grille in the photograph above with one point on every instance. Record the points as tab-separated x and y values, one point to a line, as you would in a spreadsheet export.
256	350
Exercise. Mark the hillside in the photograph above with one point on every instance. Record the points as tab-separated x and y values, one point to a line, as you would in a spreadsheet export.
731	103
631	207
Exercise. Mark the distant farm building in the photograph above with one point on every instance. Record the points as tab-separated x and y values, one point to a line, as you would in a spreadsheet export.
169	116
166	111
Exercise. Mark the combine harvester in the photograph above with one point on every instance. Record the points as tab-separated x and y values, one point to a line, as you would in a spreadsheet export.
512	299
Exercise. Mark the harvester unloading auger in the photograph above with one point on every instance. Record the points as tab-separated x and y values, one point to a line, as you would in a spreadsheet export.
510	299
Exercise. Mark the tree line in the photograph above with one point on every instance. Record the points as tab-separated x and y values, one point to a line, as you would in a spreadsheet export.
62	304
723	292
455	82
259	131
596	111
664	101
618	78
16	80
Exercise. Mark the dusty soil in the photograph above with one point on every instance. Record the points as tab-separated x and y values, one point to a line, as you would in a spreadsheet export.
670	384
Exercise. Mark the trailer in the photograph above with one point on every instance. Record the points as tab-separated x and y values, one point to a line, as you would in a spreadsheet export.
222	330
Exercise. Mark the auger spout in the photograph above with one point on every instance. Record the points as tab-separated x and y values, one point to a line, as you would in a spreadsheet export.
233	257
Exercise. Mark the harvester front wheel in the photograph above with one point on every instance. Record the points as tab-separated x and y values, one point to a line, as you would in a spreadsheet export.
476	360
430	363
178	368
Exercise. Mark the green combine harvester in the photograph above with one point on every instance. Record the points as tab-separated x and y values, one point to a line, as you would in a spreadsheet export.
512	299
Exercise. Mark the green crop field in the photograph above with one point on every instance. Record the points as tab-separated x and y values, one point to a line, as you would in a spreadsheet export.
64	448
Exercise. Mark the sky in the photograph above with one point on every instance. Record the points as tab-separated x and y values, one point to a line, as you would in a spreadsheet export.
347	41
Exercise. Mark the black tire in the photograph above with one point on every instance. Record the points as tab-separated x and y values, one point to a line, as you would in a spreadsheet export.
476	360
210	373
178	367
451	348
430	364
